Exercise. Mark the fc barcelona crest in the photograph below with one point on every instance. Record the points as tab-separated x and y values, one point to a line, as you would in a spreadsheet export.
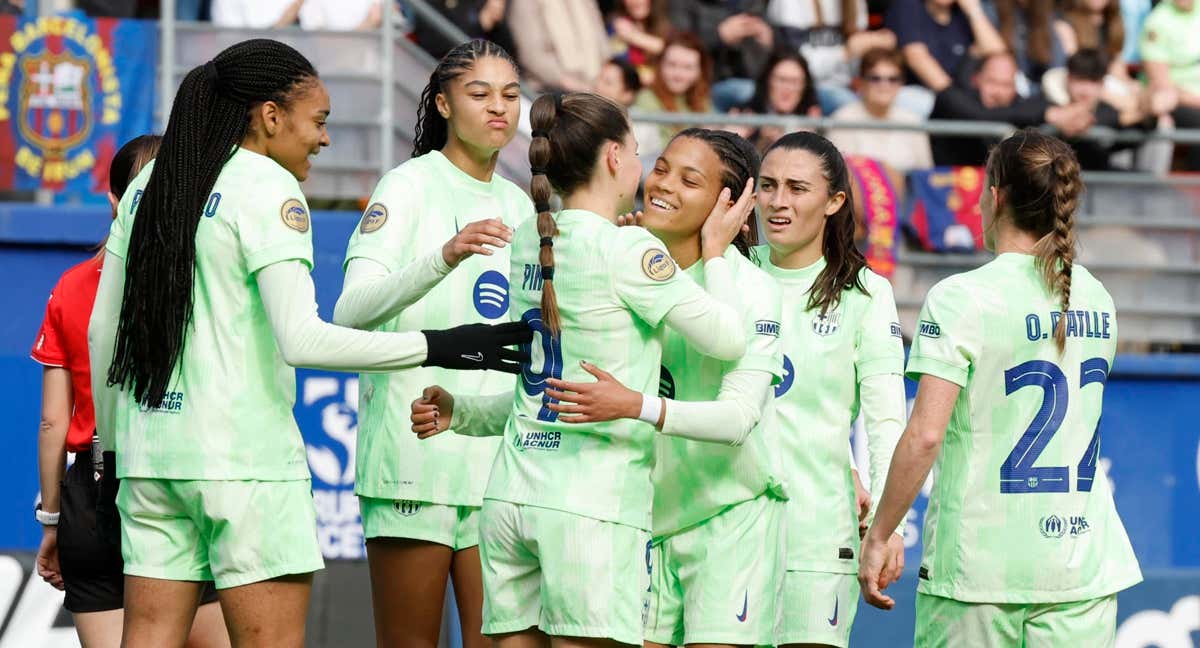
826	324
55	102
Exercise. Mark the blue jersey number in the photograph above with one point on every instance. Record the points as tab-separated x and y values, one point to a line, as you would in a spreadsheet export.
1017	473
534	383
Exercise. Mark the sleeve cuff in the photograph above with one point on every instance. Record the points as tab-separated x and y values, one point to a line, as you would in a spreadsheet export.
373	252
918	366
48	361
293	250
879	366
764	363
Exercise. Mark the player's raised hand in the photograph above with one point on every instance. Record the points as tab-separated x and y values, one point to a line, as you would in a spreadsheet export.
871	566
476	238
432	412
604	400
725	221
632	218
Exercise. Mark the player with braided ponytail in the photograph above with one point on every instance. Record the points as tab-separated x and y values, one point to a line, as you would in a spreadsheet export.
205	304
565	521
1012	359
432	251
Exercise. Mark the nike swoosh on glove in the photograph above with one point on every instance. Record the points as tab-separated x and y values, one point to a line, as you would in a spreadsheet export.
479	346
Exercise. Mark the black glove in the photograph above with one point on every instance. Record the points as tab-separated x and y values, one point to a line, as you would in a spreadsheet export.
479	346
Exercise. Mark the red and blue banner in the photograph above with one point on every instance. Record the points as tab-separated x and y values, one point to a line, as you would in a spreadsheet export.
945	214
880	211
73	89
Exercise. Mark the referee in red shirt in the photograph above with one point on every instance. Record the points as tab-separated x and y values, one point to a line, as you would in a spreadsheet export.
81	537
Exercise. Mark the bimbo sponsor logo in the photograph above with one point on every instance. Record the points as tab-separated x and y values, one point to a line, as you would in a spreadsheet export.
929	329
767	327
491	294
328	412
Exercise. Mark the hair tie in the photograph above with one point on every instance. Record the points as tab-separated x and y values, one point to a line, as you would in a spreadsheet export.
558	98
210	72
537	132
537	170
547	273
547	241
541	206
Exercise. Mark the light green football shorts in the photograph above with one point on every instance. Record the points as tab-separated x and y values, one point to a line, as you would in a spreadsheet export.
565	574
230	532
943	622
818	608
719	581
456	527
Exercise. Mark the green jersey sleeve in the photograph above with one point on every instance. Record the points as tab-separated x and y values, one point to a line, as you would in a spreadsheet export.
880	349
277	227
645	277
385	231
949	335
764	316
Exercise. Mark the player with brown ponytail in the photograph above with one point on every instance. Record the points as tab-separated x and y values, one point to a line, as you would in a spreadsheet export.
1011	418
566	515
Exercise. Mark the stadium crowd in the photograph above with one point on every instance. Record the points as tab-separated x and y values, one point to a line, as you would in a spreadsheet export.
1069	64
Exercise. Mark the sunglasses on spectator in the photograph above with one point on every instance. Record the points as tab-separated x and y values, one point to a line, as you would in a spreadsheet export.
879	78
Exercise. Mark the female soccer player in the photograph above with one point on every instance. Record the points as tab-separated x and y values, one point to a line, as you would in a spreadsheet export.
563	531
81	545
1023	545
718	507
204	301
840	329
429	253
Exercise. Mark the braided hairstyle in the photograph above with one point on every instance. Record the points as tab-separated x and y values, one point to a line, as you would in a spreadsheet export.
568	131
209	119
432	129
739	163
1038	176
844	262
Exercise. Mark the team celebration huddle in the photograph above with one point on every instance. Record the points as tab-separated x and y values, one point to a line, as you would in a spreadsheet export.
601	425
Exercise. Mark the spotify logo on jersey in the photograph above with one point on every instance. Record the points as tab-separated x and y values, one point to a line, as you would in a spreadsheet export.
491	294
789	374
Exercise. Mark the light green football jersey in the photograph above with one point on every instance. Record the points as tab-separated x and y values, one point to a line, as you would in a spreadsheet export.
1021	510
415	209
228	411
695	480
836	351
614	287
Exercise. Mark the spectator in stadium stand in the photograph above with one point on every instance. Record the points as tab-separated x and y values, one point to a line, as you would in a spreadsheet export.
682	81
784	88
1171	60
561	44
342	15
80	550
1086	70
618	80
637	32
1099	25
484	19
993	97
255	14
738	37
882	73
1028	30
936	36
832	35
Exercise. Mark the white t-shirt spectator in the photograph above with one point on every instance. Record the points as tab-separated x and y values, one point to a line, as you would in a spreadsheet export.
815	26
902	150
338	15
254	14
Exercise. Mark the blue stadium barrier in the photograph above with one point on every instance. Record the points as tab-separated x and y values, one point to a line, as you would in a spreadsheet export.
1150	447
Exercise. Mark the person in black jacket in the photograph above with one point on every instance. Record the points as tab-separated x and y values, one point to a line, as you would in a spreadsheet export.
993	97
478	18
739	38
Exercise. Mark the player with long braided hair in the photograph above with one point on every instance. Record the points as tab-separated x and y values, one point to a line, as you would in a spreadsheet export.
431	251
205	304
1023	545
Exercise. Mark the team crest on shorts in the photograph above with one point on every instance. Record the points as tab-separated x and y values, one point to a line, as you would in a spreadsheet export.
374	218
658	265
407	508
826	324
294	215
